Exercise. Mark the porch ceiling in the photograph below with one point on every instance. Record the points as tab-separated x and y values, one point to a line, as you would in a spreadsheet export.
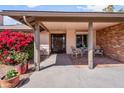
76	25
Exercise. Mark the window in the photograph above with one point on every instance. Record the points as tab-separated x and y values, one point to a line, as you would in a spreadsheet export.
81	41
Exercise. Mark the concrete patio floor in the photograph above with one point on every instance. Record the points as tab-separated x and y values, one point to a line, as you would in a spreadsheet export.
56	73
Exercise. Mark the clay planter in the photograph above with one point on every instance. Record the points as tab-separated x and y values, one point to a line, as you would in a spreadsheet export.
10	83
22	68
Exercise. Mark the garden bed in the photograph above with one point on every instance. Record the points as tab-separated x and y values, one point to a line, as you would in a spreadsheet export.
16	49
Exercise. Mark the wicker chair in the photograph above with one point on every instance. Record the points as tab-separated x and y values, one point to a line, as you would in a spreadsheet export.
98	50
76	52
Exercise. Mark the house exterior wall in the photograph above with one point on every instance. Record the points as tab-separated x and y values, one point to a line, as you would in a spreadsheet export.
45	39
94	38
70	40
45	43
111	39
1	20
57	31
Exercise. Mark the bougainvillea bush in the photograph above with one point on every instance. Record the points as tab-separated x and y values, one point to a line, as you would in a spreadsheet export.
14	43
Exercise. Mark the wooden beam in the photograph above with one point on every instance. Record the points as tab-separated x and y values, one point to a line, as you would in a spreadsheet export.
43	26
37	46
81	19
27	23
90	45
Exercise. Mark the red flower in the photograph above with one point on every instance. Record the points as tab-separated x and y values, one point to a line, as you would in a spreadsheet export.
1	46
5	61
5	52
8	58
0	57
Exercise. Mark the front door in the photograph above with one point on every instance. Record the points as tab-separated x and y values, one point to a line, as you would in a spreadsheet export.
58	43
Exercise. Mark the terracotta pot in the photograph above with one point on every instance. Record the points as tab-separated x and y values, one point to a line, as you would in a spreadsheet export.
22	68
10	83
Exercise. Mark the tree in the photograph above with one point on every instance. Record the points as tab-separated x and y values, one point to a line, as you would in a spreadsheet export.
109	8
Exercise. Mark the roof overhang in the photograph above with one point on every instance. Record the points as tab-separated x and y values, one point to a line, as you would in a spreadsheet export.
67	16
17	27
50	16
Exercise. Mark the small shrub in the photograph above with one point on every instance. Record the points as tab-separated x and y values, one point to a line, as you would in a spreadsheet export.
21	57
30	50
10	74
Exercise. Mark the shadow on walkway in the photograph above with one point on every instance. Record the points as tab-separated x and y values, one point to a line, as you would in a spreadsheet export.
65	60
23	82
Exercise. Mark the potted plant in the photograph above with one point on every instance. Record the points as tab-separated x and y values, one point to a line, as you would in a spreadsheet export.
10	80
22	58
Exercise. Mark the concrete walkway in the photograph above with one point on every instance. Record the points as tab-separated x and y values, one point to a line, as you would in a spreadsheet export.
72	76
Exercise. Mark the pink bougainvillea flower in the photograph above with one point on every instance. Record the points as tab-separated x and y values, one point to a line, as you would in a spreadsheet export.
8	58
5	52
13	41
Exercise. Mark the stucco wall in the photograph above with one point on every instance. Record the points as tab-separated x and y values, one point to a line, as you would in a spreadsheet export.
70	40
94	38
1	20
44	43
111	39
57	31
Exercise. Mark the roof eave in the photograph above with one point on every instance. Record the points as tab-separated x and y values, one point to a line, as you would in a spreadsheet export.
60	14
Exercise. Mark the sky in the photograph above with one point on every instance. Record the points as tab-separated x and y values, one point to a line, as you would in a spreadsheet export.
65	8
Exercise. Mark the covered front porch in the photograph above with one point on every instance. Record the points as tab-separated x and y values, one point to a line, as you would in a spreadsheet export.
36	21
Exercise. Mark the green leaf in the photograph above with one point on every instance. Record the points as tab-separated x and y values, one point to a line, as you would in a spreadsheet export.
12	57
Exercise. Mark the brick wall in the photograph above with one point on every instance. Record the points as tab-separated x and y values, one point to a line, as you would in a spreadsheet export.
111	39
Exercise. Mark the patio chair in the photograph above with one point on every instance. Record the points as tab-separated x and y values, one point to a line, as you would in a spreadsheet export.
42	52
84	50
98	50
76	51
